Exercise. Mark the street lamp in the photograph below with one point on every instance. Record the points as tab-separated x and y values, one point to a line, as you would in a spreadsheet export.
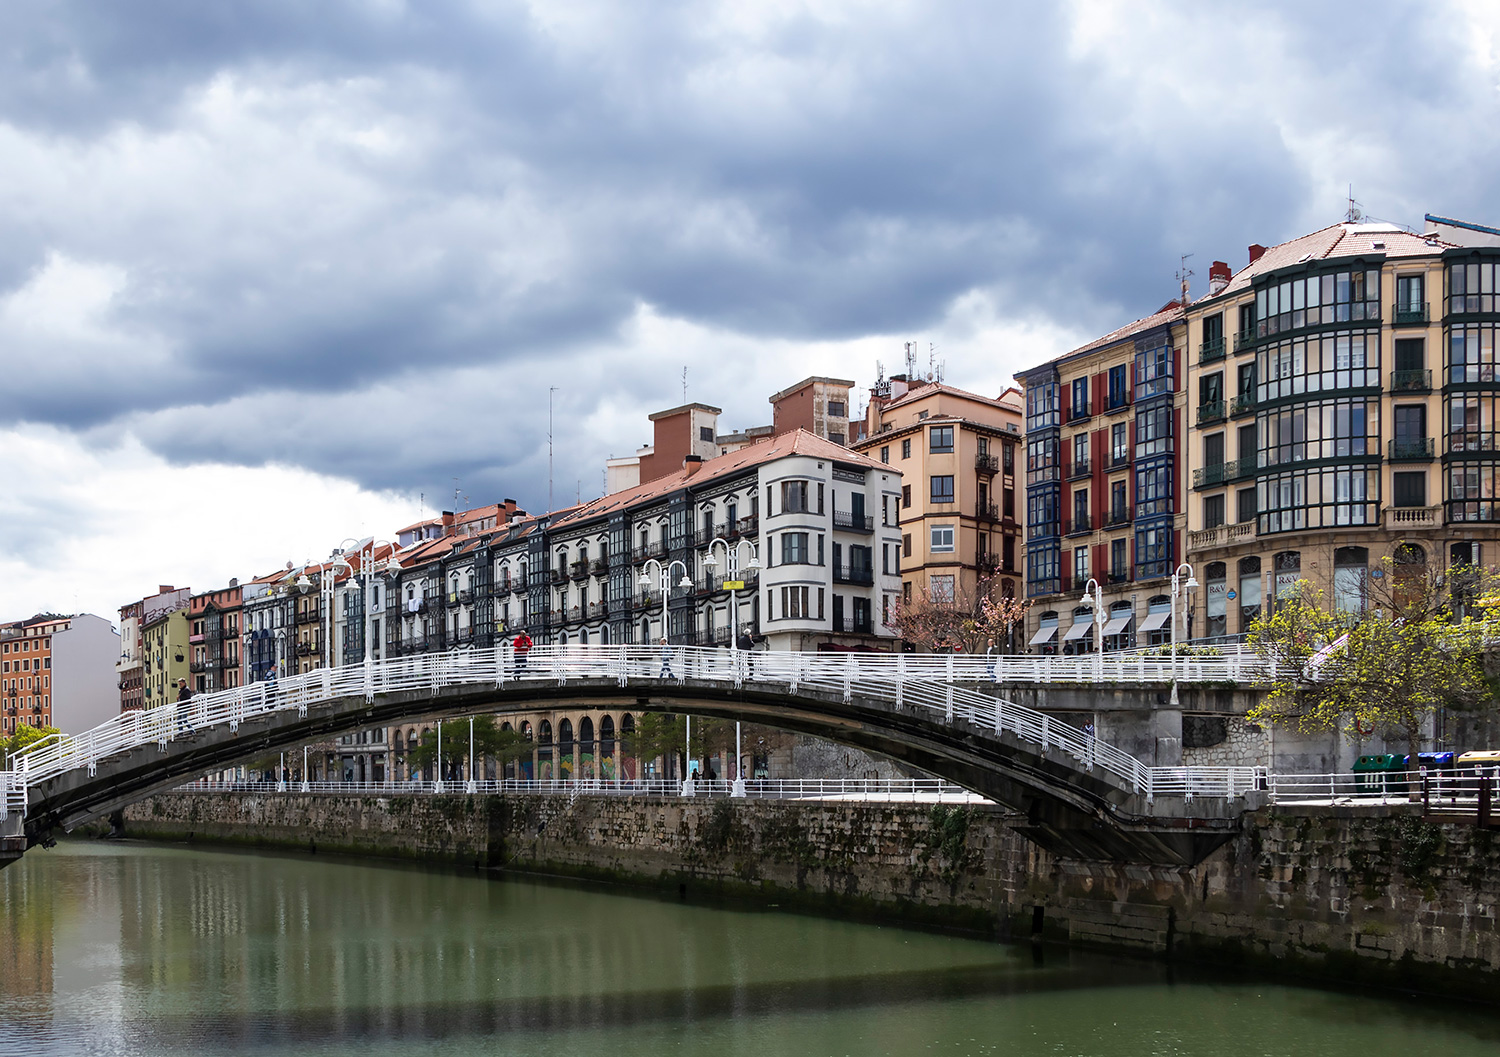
664	580
1093	598
735	584
1179	589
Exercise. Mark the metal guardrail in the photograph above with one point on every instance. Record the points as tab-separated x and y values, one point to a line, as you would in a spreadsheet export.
887	790
12	794
930	683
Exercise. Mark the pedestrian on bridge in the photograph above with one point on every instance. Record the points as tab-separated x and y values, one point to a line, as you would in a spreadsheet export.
666	659
989	659
521	647
184	695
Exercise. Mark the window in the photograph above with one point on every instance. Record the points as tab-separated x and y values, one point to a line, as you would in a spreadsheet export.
1153	431
794	497
1008	458
1119	561
940	439
1119	393
1213	332
1119	504
1471	353
1080	454
1080	510
1079	403
1246	436
1213	449
1153	551
906	495
1410	356
1043	405
1338	297
1318	498
1244	501
1215	597
1317	363
906	448
1080	565
906	545
1472	287
885	453
1119	443
942	489
1409	488
1350	573
1213	511
835	436
1211	388
940	589
1249	600
942	539
922	415
836	409
705	433
1153	488
794	548
1320	430
1153	372
1408	295
794	603
1043	455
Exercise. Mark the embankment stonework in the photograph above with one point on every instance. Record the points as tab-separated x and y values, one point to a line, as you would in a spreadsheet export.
1387	899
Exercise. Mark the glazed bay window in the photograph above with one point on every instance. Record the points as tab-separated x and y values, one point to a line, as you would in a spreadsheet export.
1338	297
1472	287
1471	421
940	439
1043	569
942	539
1153	488
1471	353
1317	363
794	548
1472	488
1043	405
1043	455
1318	497
1043	510
941	490
1328	429
794	604
1153	551
1153	431
1153	372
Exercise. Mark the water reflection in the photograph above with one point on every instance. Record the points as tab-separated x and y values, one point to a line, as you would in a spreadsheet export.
137	949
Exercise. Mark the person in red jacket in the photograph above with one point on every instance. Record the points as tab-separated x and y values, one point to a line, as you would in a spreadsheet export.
521	646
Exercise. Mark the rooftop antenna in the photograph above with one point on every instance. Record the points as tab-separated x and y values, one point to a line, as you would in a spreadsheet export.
455	495
1354	215
550	391
1184	273
911	361
684	384
931	353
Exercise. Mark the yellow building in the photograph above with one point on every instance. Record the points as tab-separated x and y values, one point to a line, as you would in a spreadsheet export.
957	453
1345	399
164	656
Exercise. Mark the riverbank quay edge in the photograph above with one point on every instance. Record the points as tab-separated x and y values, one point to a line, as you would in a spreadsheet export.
1357	895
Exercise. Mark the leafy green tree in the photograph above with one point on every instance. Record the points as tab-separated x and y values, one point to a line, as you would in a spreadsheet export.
25	736
1417	647
656	734
490	740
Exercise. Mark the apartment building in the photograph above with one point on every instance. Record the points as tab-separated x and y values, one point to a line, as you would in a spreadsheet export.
129	670
1352	419
58	672
957	453
214	639
819	405
164	654
1104	486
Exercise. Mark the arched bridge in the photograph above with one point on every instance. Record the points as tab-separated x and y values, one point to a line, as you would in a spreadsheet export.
1080	797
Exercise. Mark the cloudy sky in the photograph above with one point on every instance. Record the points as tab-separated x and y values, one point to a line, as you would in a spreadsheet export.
273	274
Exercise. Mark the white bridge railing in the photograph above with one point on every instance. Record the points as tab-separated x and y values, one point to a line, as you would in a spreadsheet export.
888	790
12	794
948	687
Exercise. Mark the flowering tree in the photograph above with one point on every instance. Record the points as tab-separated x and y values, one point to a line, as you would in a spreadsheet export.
965	622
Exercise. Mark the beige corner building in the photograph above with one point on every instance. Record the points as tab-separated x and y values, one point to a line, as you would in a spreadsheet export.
1345	392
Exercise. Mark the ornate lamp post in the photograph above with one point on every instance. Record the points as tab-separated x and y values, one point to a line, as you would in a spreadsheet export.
664	585
1179	589
735	585
1093	598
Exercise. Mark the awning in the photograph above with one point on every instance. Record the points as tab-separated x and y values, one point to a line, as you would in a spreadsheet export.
1156	620
1043	635
1117	625
1079	629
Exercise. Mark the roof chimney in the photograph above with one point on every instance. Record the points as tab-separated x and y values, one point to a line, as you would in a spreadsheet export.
1256	252
1218	277
692	464
448	525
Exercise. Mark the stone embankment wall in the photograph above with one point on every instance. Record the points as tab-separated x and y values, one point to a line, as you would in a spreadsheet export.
1388	899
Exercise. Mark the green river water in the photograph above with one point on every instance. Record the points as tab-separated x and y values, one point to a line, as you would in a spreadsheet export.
121	948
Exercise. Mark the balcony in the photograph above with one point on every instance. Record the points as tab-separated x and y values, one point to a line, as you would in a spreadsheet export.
1213	411
1123	576
1119	459
987	563
600	567
198	666
1409	518
746	526
1078	527
1419	450
1411	381
1211	350
579	569
1208	476
557	576
853	574
310	615
460	598
598	610
843	519
987	511
1244	341
1244	404
1411	315
1119	516
853	626
1079	468
1116	402
1079	414
987	463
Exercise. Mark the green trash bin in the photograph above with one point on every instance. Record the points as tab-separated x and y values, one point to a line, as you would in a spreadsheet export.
1372	773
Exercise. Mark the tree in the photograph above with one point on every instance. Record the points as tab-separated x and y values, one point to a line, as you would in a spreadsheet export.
1418	649
503	746
656	734
966	621
25	736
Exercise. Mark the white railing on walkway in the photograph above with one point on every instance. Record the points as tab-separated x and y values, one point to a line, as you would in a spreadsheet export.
887	790
12	794
947	687
1436	788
